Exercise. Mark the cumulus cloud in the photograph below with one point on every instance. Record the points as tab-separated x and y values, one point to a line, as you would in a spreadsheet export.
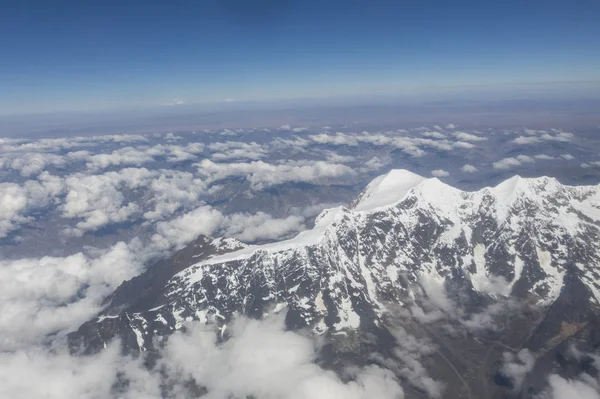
49	294
99	200
435	135
334	157
590	164
464	136
18	200
172	190
185	228
440	173
468	168
13	203
261	174
412	352
53	145
544	157
584	386
336	139
264	360
295	144
524	140
246	227
176	153
516	366
236	150
175	101
562	388
559	136
123	156
463	145
261	359
413	146
435	304
375	164
567	157
32	163
509	163
104	199
261	226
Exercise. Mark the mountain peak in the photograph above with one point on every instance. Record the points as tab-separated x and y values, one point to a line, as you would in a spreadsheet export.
387	190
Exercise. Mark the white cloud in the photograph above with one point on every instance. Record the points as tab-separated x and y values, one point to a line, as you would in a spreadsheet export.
18	200
516	367
561	388
261	359
237	150
435	135
264	360
334	157
509	163
544	157
176	153
530	131
567	157
409	145
261	174
440	173
13	204
46	295
32	163
171	137
337	139
525	140
412	353
187	227
98	199
463	145
171	191
260	226
297	144
468	168
559	136
525	158
375	163
175	101
591	164
450	126
246	227
468	137
123	156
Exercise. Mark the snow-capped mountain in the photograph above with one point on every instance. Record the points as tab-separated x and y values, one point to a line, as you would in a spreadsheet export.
407	243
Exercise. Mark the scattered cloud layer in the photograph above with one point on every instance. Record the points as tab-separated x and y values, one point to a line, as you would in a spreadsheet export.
260	359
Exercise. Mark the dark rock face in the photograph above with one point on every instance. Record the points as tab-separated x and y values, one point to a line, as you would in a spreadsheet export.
141	294
530	243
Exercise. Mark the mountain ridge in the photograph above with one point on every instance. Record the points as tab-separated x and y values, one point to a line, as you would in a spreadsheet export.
437	254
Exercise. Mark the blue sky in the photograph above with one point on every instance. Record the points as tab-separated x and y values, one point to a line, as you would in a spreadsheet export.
92	55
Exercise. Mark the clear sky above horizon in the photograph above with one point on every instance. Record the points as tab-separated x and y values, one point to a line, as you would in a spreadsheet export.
92	55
